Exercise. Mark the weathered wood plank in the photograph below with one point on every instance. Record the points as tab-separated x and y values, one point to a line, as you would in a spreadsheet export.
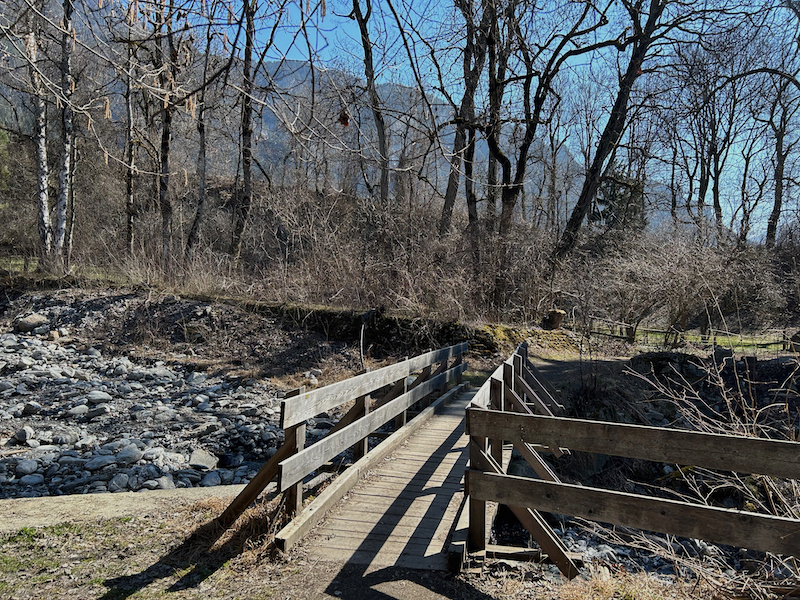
374	507
720	525
429	563
387	544
419	362
305	406
427	532
725	452
309	404
404	525
411	489
293	469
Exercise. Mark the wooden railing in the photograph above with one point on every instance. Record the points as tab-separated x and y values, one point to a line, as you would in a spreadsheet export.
379	396
510	409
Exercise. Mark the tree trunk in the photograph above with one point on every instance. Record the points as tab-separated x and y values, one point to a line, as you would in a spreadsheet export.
130	166
40	141
473	229
474	59
165	61
611	133
244	201
453	179
65	166
777	204
374	99
164	202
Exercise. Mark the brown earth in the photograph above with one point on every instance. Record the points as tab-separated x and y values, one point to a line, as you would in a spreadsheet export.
151	545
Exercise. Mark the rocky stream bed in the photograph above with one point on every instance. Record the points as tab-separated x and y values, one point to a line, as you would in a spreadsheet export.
81	415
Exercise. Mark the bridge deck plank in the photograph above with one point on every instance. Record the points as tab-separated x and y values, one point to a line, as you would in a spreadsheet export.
402	513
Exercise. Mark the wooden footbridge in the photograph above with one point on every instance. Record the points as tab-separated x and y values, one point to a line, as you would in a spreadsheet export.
417	496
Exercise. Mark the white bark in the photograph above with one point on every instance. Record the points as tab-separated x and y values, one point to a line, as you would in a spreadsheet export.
40	140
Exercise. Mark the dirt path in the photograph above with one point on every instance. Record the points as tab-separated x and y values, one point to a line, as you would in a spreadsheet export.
82	508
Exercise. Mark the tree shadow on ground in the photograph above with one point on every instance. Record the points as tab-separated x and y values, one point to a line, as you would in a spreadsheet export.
200	555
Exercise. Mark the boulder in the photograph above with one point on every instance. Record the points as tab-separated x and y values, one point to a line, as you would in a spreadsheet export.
31	322
201	459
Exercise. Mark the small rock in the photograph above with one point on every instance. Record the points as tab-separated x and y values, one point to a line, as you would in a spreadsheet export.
200	459
165	483
34	479
25	434
31	408
25	362
98	462
211	479
77	411
98	411
31	322
129	454
26	467
98	397
118	483
65	437
196	378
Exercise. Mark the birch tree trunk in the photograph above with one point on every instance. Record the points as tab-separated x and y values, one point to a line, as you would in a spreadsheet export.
65	162
130	158
40	141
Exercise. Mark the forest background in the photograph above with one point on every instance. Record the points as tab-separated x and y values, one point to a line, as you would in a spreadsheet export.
630	160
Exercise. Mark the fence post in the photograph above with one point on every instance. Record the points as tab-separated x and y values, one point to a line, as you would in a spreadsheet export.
361	447
476	538
496	403
401	419
296	436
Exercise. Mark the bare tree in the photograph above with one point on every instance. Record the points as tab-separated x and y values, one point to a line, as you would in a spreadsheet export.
474	58
244	201
372	95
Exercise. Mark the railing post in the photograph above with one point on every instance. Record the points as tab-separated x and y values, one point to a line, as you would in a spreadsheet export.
458	360
401	419
361	447
443	366
496	403
476	537
296	436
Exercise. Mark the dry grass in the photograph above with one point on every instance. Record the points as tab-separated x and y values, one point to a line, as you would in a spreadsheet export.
603	586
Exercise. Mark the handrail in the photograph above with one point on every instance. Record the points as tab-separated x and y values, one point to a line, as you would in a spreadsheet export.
293	460
505	409
307	405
